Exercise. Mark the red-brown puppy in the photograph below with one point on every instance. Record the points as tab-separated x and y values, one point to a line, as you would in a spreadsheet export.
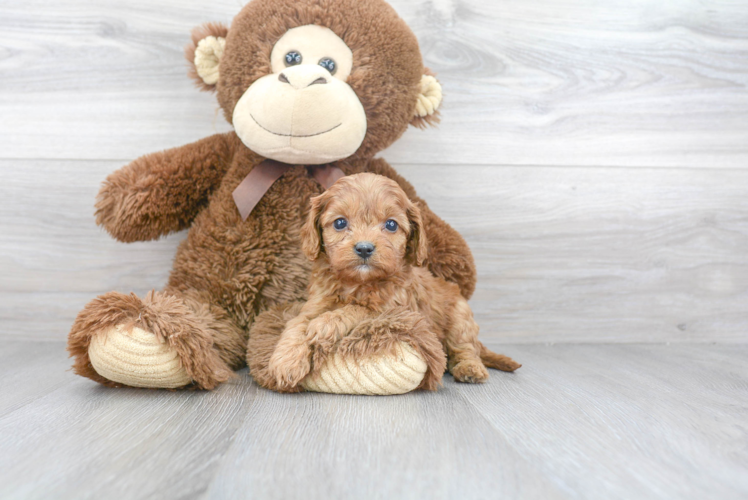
367	241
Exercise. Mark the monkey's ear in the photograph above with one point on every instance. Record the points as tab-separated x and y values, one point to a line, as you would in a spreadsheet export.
417	250
429	100
311	232
204	54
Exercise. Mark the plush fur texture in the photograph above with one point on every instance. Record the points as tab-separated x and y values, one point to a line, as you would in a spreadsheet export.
227	271
366	304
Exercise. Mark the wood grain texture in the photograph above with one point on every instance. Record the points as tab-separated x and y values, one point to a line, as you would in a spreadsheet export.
82	440
624	422
601	254
563	254
547	82
29	371
576	422
424	445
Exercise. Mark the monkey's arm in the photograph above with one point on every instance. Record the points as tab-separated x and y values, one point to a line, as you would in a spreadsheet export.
162	192
449	255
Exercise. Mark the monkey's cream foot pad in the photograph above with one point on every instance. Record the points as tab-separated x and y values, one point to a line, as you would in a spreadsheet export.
137	358
379	375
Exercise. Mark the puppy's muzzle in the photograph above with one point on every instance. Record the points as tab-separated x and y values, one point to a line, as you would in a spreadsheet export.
364	249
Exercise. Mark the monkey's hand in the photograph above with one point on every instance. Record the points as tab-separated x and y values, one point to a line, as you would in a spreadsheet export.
162	192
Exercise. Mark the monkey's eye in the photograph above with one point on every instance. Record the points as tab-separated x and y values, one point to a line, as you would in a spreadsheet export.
340	224
328	64
390	226
293	58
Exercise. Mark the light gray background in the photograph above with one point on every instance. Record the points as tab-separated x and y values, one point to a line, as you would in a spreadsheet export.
593	153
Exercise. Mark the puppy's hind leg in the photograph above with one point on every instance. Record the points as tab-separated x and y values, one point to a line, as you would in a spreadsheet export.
462	345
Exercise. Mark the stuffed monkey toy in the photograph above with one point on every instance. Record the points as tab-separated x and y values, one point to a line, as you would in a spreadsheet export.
314	90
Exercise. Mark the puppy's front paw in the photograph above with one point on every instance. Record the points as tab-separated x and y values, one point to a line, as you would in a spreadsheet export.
289	364
325	330
470	371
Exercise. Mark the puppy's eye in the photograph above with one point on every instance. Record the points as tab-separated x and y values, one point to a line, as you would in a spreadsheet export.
293	58
390	226
328	64
340	224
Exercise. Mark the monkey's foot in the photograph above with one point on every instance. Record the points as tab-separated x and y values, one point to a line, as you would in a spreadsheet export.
136	358
376	375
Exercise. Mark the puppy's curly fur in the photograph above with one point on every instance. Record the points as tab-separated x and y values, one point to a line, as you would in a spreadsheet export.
367	242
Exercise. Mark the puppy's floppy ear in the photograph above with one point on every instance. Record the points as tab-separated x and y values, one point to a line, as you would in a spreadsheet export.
428	102
205	52
417	250
311	231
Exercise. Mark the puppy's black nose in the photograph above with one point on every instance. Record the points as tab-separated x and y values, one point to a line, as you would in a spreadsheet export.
364	249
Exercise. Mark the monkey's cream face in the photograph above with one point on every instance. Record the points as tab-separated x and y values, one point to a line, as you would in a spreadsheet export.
304	112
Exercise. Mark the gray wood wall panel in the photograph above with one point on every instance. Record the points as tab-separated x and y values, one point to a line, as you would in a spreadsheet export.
564	254
592	154
547	82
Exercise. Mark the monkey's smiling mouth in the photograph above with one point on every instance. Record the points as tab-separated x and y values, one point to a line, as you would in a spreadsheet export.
292	135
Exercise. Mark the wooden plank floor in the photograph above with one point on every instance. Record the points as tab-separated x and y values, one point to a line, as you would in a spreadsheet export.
577	421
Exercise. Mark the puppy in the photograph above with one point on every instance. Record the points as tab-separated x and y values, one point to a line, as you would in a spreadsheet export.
367	243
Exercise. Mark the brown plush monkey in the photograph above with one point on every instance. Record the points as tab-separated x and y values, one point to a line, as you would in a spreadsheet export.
310	86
